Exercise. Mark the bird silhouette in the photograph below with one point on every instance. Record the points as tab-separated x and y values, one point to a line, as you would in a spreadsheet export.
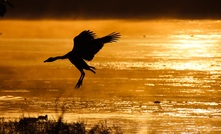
85	48
3	8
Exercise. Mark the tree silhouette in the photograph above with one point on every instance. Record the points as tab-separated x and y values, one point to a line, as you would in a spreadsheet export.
3	8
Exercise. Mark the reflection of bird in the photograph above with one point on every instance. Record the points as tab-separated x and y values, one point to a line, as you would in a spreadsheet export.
3	8
85	47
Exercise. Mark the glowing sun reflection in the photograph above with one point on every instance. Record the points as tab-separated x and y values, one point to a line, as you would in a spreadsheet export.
194	48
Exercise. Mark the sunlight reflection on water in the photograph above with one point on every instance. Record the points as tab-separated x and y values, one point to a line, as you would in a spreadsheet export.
162	65
167	82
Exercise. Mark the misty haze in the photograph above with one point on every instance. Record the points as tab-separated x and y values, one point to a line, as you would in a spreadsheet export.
162	75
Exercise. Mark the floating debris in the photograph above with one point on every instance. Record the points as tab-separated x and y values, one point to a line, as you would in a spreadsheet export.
157	102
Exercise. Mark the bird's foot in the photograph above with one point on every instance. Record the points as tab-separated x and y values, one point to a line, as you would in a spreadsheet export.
78	85
92	69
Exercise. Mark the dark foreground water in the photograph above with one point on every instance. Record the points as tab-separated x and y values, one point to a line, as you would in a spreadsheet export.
180	68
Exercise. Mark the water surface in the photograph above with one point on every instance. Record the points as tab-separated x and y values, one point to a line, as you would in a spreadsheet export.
175	62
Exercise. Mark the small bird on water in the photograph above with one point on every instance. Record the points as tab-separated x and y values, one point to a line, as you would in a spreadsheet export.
85	47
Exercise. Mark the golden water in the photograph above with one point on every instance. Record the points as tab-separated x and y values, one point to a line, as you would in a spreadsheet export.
175	62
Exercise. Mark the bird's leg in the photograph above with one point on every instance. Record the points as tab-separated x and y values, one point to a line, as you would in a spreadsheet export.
91	68
80	81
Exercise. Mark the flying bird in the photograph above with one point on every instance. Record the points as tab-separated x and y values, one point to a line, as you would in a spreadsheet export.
85	48
3	8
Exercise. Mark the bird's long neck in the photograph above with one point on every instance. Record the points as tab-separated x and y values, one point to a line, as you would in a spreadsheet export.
56	58
59	57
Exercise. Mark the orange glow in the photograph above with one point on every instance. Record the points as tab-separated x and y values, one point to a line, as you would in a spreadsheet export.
194	47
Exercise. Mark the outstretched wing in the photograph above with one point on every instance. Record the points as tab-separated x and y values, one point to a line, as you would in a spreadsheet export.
86	46
112	37
81	41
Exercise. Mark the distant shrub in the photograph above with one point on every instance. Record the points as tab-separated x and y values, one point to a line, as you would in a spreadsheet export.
102	128
32	126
